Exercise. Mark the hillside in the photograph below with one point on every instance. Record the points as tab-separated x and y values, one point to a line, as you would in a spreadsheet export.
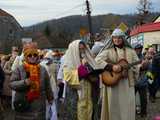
61	31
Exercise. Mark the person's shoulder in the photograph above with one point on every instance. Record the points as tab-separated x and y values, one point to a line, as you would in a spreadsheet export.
7	63
17	57
19	68
43	68
110	49
130	49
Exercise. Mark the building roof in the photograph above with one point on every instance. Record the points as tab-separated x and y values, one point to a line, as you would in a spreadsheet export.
146	28
158	19
4	13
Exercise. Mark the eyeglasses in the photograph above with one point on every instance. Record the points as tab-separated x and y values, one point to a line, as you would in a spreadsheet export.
34	55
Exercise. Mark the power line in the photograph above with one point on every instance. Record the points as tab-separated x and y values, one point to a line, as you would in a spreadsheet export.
67	11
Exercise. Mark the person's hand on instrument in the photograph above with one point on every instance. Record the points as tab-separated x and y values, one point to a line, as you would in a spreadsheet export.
117	68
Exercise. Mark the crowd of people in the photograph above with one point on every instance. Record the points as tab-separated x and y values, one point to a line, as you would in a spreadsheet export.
47	85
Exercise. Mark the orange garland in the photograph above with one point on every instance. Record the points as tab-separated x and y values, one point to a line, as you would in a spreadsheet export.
34	76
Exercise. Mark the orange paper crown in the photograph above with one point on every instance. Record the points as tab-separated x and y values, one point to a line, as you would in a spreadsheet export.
30	47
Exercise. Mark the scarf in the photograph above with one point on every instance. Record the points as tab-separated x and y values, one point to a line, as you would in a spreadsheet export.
72	56
33	72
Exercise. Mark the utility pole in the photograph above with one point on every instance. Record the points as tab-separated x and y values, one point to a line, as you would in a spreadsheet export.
91	42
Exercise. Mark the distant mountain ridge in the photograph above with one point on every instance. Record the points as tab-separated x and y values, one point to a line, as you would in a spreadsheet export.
61	31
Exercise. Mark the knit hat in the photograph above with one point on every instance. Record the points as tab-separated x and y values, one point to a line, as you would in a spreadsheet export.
117	32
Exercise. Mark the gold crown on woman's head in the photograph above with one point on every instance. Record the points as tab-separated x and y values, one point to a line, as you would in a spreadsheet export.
30	47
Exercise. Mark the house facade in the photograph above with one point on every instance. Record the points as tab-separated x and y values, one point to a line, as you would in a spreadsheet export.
147	34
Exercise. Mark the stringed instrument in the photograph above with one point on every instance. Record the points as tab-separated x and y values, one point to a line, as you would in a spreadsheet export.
111	78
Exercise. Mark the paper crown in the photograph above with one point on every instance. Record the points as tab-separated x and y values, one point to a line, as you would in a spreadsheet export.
30	47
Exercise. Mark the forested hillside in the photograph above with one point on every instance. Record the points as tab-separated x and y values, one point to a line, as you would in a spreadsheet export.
59	32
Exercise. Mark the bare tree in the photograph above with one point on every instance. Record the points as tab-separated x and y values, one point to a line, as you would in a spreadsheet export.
144	9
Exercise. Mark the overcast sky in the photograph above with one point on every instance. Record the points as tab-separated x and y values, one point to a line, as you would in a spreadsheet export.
28	12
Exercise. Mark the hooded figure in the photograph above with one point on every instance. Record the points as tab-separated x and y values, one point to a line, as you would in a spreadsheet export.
118	101
98	44
78	91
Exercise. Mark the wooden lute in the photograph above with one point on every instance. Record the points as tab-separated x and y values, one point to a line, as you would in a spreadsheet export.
112	78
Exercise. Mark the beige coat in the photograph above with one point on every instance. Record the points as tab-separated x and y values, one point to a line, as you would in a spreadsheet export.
52	72
7	70
118	102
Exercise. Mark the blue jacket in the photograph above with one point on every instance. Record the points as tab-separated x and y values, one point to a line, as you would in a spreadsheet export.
142	82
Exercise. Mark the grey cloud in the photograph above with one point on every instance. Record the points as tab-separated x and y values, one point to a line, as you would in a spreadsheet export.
9	6
32	11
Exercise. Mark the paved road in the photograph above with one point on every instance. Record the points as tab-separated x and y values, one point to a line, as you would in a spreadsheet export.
153	110
9	115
